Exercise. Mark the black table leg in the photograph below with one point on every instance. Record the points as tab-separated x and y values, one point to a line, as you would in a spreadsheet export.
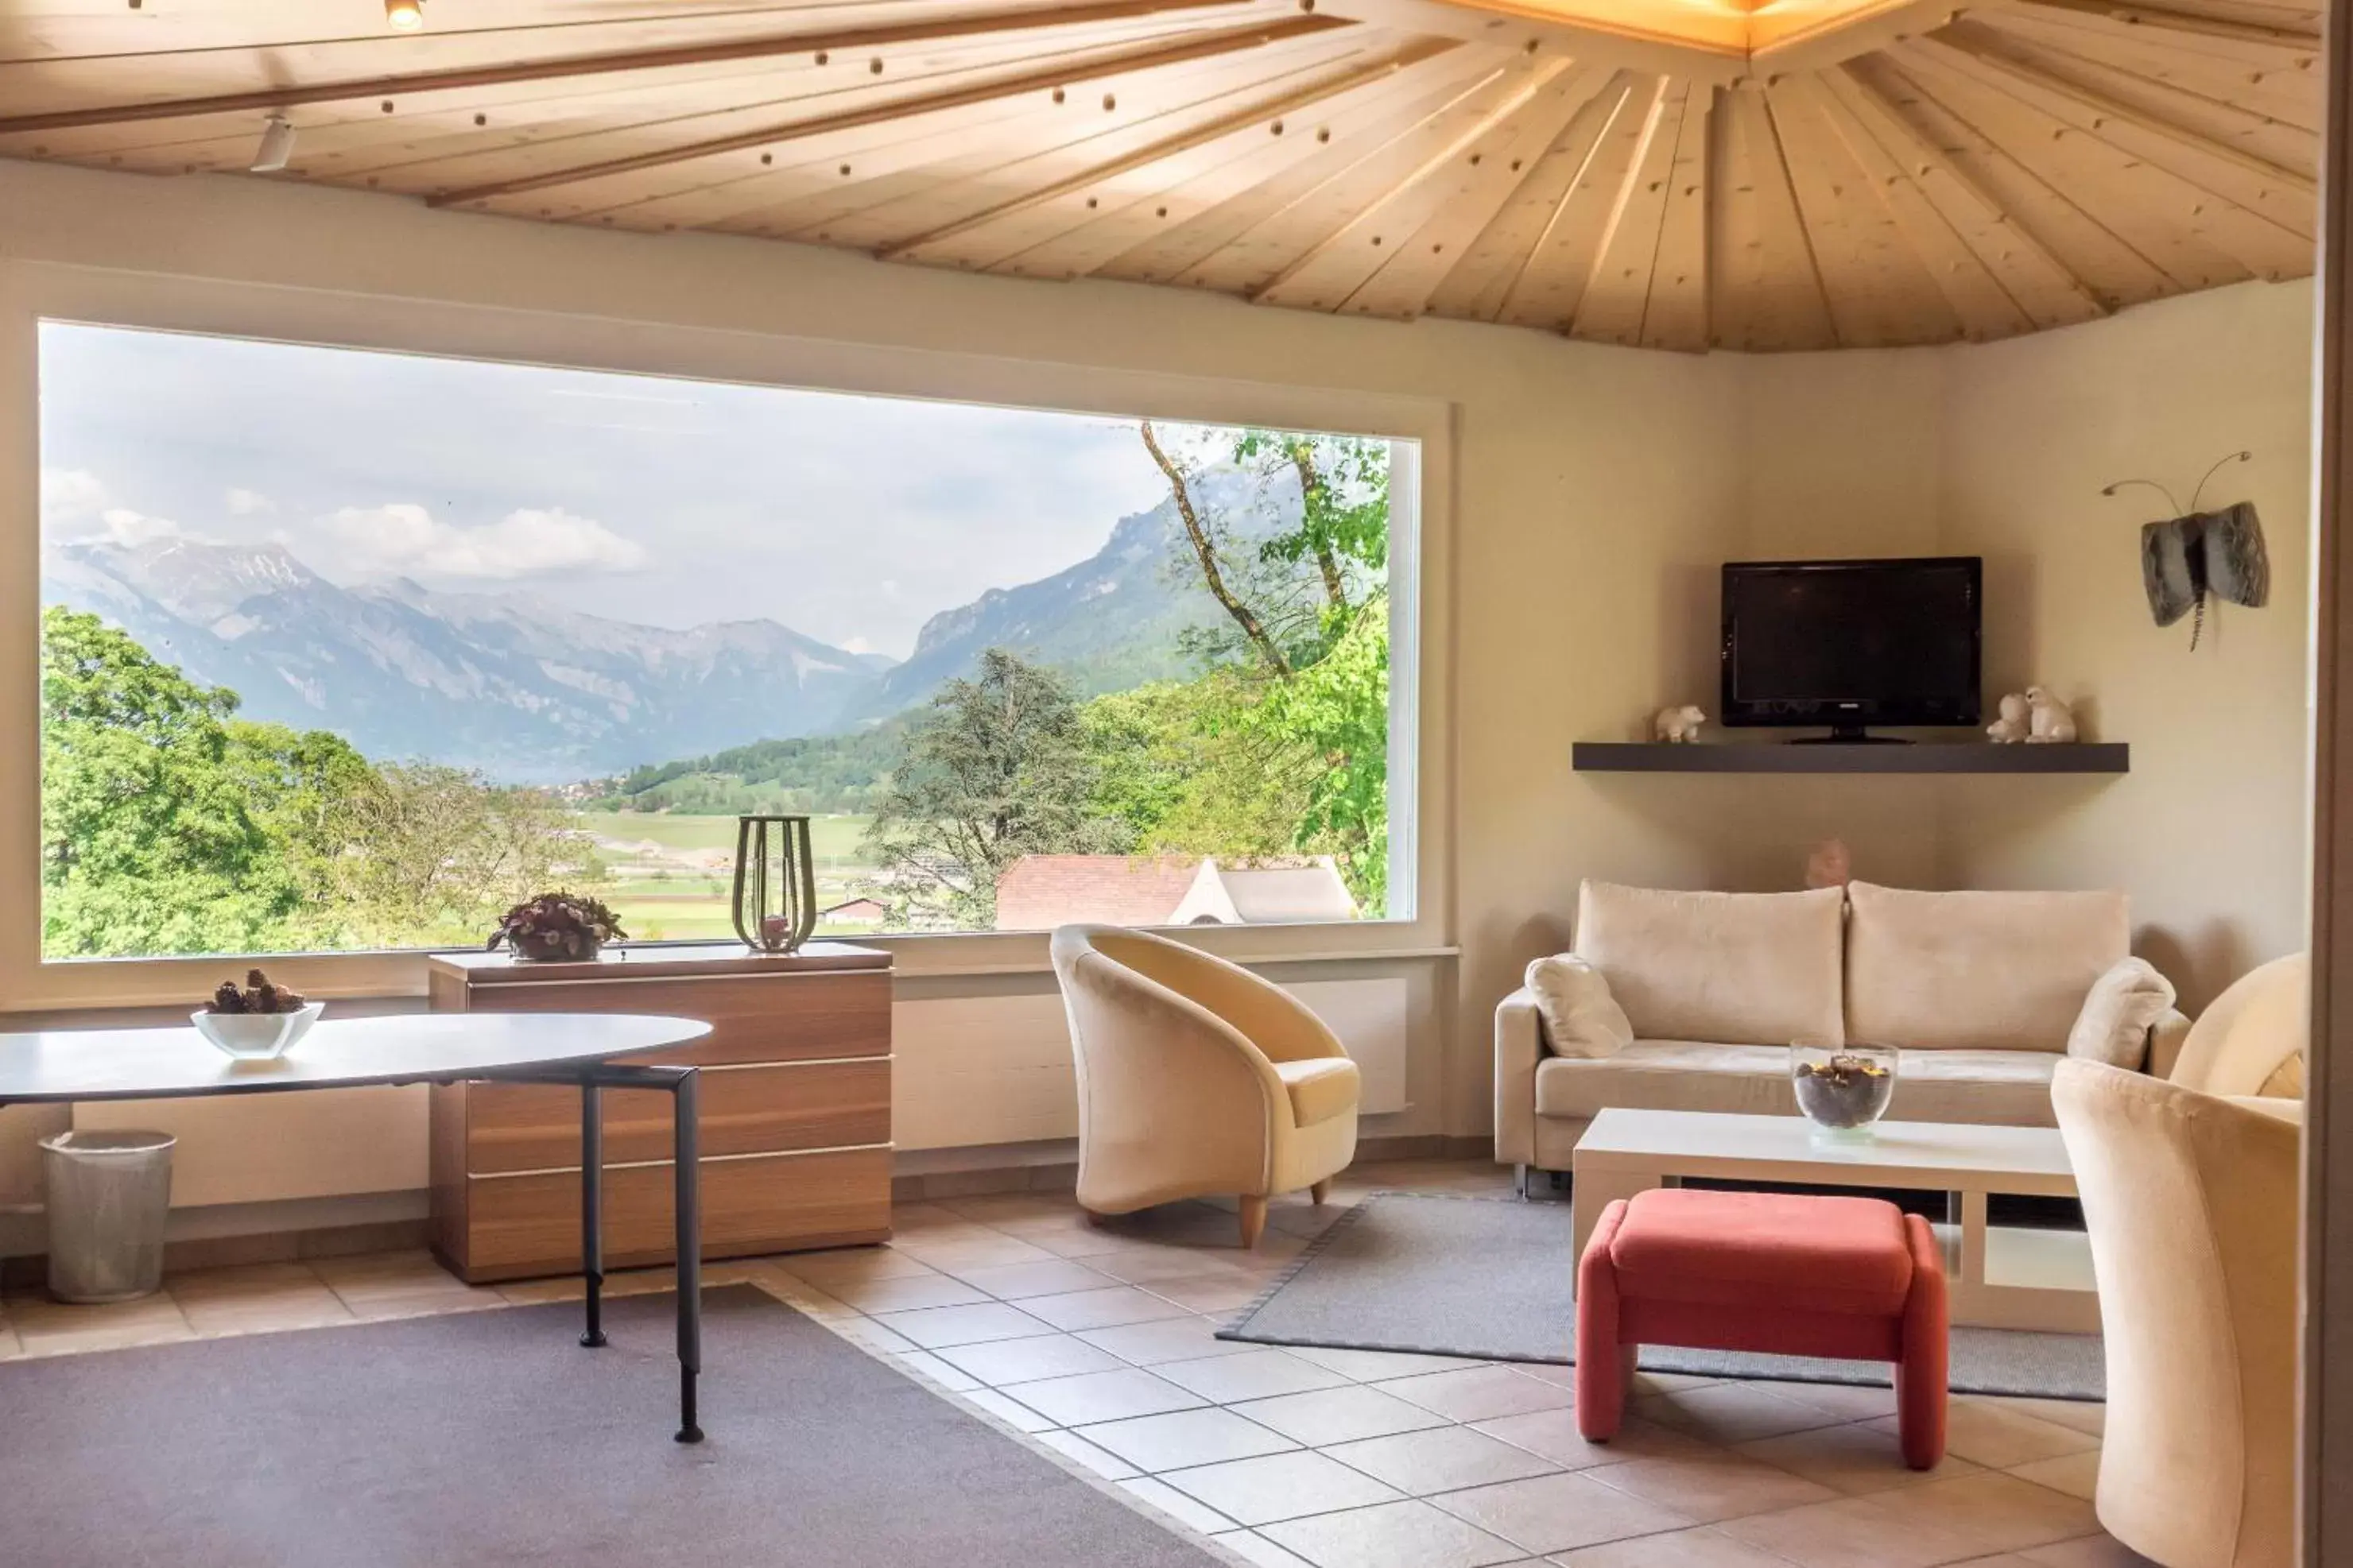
689	1174
592	1209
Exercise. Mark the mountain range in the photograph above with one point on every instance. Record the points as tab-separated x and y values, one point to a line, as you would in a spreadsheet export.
529	692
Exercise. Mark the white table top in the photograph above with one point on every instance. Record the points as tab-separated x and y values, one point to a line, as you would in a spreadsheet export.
147	1063
1953	1156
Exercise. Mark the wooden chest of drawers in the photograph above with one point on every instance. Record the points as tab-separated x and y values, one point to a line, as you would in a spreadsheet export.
796	1114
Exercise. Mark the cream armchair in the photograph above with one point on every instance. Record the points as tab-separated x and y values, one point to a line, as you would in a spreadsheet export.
2192	1204
2248	1045
1198	1078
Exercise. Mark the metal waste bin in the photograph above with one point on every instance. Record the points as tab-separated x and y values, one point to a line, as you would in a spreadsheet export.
109	1193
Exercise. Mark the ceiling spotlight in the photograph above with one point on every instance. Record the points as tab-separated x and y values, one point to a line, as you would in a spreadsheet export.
405	15
277	145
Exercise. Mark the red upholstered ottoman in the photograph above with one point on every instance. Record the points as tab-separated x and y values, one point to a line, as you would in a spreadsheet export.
1851	1277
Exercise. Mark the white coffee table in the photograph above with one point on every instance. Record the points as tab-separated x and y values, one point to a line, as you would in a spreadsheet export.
2003	1278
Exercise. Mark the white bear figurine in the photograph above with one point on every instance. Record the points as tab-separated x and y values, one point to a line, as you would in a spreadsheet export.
2012	726
2053	721
1676	726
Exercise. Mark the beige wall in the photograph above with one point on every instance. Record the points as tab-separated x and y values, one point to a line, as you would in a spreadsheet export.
1591	494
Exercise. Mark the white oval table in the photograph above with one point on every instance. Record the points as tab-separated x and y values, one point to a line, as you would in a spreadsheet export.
574	1048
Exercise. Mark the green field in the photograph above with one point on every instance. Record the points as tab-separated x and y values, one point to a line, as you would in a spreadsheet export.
669	876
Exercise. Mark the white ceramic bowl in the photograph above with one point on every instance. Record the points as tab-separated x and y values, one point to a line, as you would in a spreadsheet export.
257	1037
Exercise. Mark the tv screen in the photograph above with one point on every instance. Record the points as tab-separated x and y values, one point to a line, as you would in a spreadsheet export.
1852	642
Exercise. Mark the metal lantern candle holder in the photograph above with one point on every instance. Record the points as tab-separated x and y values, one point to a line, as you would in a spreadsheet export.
775	882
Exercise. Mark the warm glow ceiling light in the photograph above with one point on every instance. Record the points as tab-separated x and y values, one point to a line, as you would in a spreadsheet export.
277	145
405	15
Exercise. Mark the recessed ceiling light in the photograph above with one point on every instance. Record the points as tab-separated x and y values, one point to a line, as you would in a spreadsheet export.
405	15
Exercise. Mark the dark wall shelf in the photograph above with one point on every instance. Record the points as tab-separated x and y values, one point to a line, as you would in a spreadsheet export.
1736	757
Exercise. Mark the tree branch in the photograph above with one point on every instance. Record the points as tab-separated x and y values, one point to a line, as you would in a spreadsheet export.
1206	553
1310	486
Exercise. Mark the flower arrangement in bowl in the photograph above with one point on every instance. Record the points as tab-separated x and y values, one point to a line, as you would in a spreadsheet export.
1842	1090
557	927
259	1023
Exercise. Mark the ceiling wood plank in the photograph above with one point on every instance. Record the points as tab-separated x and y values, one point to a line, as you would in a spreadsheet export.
1478	284
1337	266
397	85
1504	160
1675	316
2171	19
1552	281
1617	294
2198	240
1259	111
1767	292
1041	80
1932	198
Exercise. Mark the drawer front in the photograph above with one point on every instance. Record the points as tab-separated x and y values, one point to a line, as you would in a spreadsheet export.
753	1018
520	1226
744	1110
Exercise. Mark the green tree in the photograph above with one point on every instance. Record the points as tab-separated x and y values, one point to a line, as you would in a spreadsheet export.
151	838
995	767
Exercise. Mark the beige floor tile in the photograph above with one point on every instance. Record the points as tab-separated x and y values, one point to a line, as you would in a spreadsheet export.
1560	1512
1185	1438
1713	1487
378	1286
1082	1241
1676	1548
1731	1412
2077	1474
1146	1266
11	1346
315	1309
990	1249
1552	1435
1004	1209
1172	1339
906	1293
1441	1459
1217	1295
1545	1372
1014	1413
2086	1552
1995	1513
2006	1560
827	1269
245	1282
1392	1535
53	1328
908	1219
1479	1393
1014	1281
1999	1439
1184	1509
1857	1458
1102	1396
938	1328
866	1331
1111	1309
1000	1363
1259	1552
1280	1486
955	1380
1848	1402
1376	1366
1854	1532
1101	1461
1340	1414
1257	1375
2083	1415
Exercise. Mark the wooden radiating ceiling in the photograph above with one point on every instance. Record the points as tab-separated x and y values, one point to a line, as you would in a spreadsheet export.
1665	172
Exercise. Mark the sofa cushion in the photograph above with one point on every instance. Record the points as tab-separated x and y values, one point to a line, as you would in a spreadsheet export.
1320	1087
1976	971
1986	1087
1799	1253
1580	1017
1745	968
2124	1005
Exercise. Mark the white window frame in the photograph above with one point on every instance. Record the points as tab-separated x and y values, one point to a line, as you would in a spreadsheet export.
1420	754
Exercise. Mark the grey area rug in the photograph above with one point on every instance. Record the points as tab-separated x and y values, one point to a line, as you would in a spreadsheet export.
492	1438
1491	1277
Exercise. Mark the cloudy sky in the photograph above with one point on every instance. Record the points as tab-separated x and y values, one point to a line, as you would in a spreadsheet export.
851	519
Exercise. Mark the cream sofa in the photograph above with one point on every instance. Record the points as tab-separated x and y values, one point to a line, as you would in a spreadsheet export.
1981	990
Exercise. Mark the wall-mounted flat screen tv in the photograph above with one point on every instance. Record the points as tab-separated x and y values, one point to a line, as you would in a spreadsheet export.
1852	642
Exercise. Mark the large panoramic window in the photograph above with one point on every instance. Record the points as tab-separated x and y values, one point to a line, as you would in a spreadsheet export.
347	650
